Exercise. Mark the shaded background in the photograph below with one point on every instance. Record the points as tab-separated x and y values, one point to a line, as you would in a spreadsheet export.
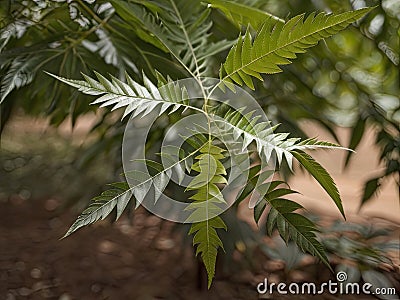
57	152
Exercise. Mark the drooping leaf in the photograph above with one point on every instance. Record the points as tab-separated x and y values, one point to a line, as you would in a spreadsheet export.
371	187
291	225
295	227
356	136
206	205
271	195
321	175
139	20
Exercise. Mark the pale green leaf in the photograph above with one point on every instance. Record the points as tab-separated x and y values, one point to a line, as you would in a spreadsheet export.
206	205
138	99
276	44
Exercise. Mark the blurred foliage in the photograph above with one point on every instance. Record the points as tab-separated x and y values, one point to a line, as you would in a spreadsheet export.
47	170
364	252
360	243
350	80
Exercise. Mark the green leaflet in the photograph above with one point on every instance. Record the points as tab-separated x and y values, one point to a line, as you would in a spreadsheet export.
356	136
101	206
295	227
268	142
269	196
321	175
206	207
290	225
182	27
120	194
138	99
371	187
19	74
192	46
139	20
251	130
276	44
242	14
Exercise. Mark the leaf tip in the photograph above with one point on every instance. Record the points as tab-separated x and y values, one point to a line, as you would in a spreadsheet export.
68	233
210	280
51	74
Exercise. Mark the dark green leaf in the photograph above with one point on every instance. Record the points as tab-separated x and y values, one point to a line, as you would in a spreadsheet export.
321	175
356	135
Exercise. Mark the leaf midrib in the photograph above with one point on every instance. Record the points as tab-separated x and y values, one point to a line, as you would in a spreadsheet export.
132	188
281	47
293	226
189	43
288	149
298	232
146	99
254	136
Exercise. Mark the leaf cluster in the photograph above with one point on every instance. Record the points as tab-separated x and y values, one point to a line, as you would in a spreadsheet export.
174	38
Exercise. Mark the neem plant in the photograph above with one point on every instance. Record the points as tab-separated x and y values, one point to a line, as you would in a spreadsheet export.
210	159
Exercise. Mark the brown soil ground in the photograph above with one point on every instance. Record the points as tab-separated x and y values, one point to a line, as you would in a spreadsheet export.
148	259
144	261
